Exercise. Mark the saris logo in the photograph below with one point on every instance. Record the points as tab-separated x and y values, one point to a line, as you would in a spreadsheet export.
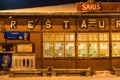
90	7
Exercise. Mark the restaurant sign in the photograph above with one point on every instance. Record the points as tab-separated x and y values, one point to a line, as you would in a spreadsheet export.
90	6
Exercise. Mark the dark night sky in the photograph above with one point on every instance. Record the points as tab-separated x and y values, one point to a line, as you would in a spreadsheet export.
16	4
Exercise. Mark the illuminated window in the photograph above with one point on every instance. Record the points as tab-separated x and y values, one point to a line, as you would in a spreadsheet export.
59	49
115	44
82	37
116	49
48	37
93	36
58	44
48	49
93	44
82	50
115	36
93	49
103	36
104	44
59	37
69	49
69	37
104	49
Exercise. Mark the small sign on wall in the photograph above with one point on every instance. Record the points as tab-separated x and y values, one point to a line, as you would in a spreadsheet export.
5	60
25	48
14	35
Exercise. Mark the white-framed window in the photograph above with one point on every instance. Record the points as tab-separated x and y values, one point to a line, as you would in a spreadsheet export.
93	44
58	44
115	44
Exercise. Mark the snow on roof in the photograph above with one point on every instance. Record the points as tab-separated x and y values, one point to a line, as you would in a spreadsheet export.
47	9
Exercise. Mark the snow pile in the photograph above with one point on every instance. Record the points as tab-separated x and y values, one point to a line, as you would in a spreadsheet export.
103	74
100	75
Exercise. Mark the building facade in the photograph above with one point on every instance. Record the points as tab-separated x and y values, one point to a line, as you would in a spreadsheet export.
89	37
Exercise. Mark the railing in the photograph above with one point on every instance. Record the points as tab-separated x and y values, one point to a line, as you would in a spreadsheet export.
23	62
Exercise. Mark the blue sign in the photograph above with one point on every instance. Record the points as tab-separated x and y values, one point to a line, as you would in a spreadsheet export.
5	61
17	35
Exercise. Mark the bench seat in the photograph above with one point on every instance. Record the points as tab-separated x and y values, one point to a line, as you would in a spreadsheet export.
71	71
24	72
117	71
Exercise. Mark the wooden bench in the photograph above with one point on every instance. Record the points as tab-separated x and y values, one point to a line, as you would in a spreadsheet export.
71	71
45	72
19	72
117	71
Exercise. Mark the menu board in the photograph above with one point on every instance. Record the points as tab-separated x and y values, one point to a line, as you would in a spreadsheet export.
27	47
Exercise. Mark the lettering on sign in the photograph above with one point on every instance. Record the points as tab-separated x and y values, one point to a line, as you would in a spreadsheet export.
94	23
48	24
31	24
90	7
117	23
101	23
83	25
13	25
66	24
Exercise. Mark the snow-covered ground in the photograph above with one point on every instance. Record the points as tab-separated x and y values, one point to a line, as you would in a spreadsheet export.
98	76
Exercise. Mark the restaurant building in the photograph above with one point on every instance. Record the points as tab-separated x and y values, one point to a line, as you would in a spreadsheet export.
80	35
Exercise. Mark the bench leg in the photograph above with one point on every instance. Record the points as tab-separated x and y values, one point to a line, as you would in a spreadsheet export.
44	73
117	73
11	74
36	74
53	73
87	73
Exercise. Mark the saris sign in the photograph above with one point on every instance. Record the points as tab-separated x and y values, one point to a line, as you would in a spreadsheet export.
90	6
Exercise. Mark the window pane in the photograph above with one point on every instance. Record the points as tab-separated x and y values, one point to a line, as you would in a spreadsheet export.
104	49
69	37
82	50
93	36
59	49
90	37
82	36
69	50
116	49
48	37
115	36
48	49
59	37
93	48
103	36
